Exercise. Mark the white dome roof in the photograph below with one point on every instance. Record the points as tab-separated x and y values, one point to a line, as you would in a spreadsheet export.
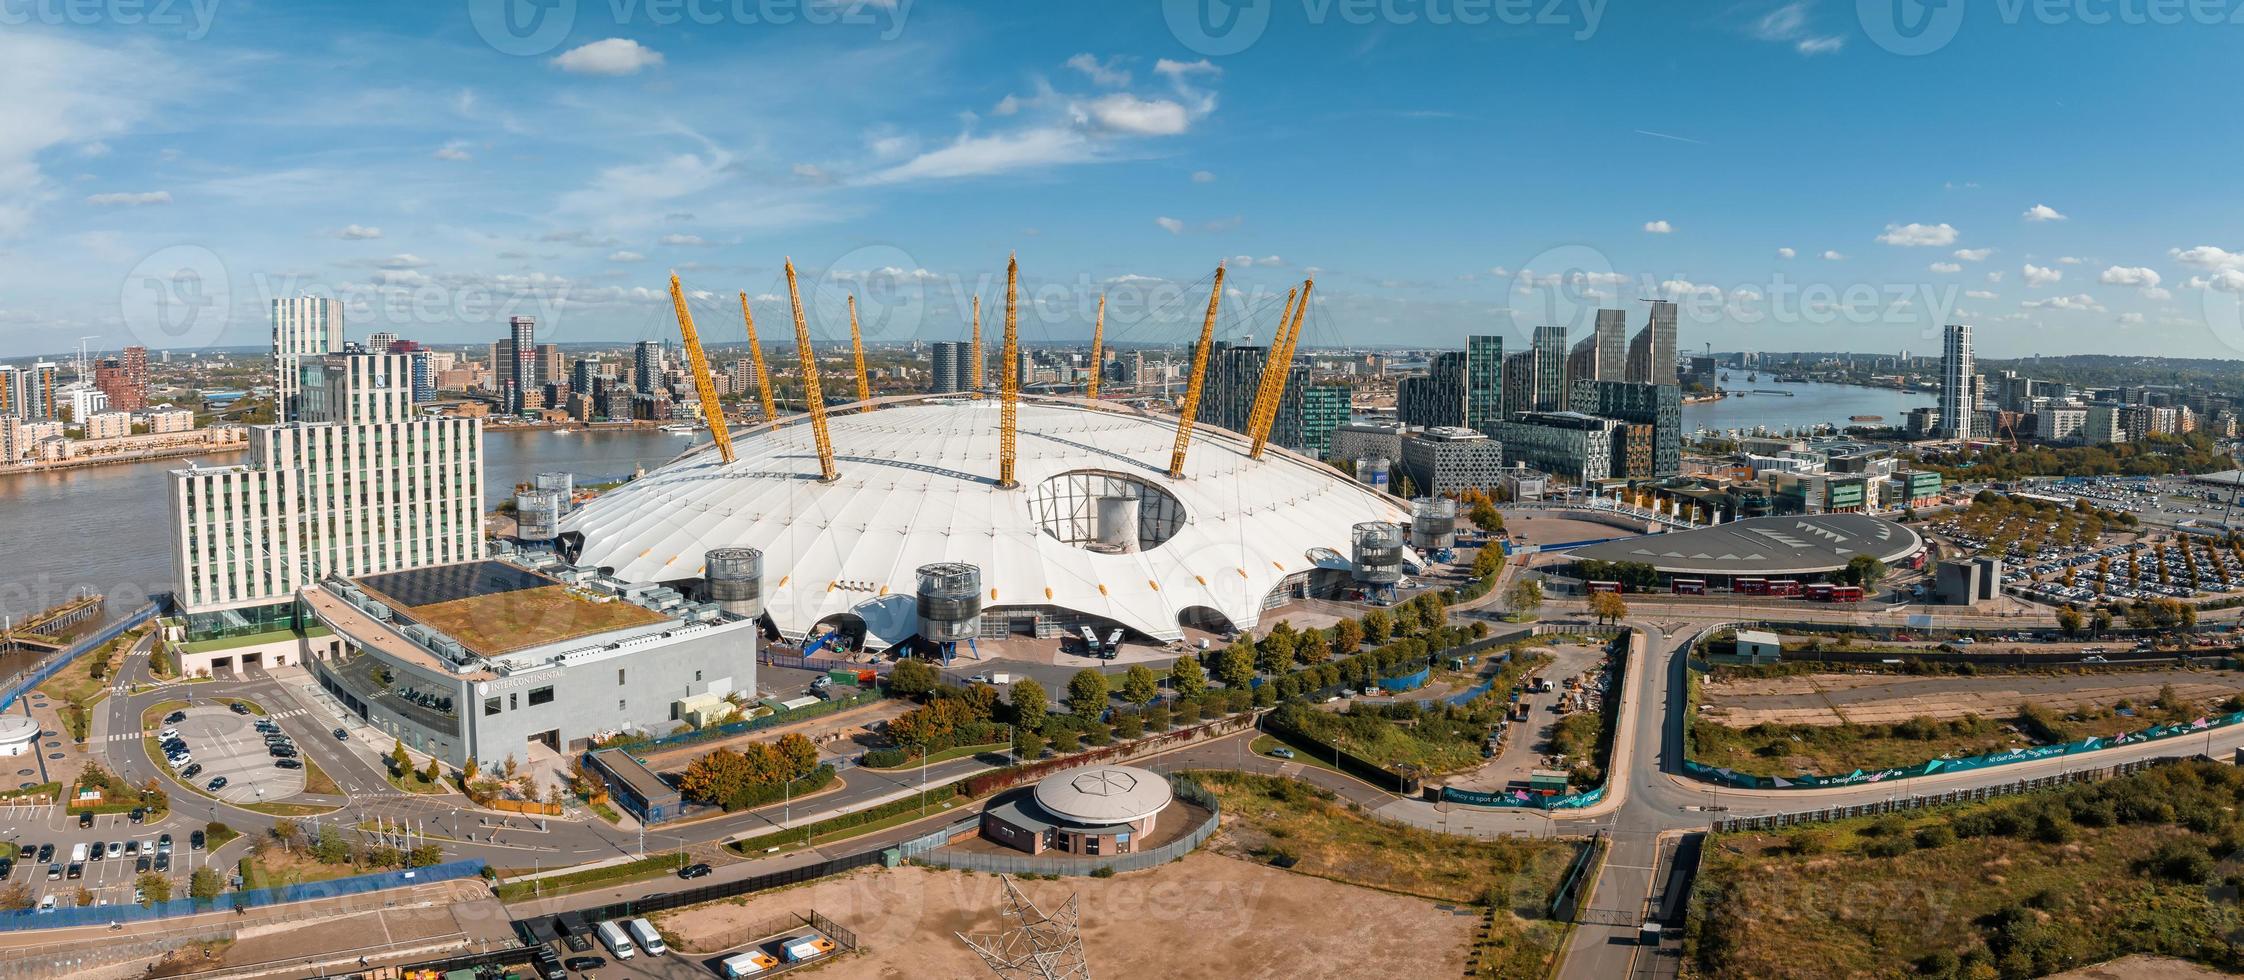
1100	796
918	486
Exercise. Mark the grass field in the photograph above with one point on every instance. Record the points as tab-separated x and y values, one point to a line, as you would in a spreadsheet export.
1279	820
496	624
1434	748
2018	887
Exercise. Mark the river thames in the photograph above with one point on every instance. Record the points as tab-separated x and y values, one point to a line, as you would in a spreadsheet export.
1809	404
104	528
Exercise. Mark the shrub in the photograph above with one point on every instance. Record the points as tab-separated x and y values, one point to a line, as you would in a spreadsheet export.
1936	836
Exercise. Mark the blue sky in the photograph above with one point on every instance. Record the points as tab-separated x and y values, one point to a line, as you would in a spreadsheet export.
2060	184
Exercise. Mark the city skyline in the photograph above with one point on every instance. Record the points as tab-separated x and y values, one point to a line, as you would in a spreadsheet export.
556	180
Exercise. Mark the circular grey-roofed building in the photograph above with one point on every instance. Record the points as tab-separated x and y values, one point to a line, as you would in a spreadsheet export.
1093	810
1799	546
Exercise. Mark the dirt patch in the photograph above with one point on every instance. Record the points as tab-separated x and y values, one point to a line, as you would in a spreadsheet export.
2141	968
1203	916
1880	698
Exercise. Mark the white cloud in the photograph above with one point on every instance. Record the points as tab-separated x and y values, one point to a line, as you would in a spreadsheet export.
2129	276
1170	225
626	255
1122	112
129	200
2071	260
2208	257
1109	73
2226	280
811	172
1995	276
614	56
2040	276
2078	301
1789	25
1203	177
358	233
979	156
62	92
2131	319
1832	255
1980	294
2042	212
1914	234
404	260
1006	106
1974	254
456	150
1787	252
1658	227
1250	261
1946	268
685	241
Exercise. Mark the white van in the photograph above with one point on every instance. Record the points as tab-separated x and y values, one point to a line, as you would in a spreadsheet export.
613	937
78	854
648	939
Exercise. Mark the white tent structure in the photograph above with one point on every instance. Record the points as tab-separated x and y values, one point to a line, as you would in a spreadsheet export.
1096	528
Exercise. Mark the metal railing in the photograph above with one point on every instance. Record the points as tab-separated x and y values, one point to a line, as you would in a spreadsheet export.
1902	804
53	663
102	915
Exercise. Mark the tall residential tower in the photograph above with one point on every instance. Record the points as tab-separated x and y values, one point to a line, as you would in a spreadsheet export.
1957	380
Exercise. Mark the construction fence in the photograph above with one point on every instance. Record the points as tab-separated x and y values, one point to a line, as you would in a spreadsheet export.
1904	804
103	915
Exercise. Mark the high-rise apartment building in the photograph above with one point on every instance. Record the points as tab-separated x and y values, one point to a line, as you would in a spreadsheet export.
42	392
1658	407
1484	381
1959	404
1651	355
380	340
357	485
11	391
1550	369
1519	382
646	367
1438	398
949	363
302	325
1603	355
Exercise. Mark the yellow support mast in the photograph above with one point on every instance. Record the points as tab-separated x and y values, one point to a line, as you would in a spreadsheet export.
817	401
1199	376
857	348
1009	390
1098	348
756	354
711	410
1262	397
974	382
1284	364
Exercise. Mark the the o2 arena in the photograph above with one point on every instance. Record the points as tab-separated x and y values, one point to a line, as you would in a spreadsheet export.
962	517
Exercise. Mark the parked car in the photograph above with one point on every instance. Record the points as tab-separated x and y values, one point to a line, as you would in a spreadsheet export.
98	851
132	848
163	862
85	819
195	840
141	865
548	964
693	871
168	734
191	771
287	764
583	963
116	848
175	717
238	708
163	844
46	852
1282	752
216	783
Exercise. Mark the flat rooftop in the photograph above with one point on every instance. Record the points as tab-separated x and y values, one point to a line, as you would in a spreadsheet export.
493	608
1806	544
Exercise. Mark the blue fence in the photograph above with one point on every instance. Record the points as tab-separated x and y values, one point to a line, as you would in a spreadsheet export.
1407	682
102	915
1522	800
56	661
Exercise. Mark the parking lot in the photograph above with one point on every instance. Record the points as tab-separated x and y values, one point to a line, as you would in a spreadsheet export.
228	746
108	880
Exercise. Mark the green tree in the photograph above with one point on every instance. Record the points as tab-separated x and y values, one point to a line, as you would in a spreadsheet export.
400	763
1524	596
1030	704
1347	637
1488	562
205	884
1608	607
1866	571
1486	517
331	848
913	677
153	887
433	775
1087	693
2100	621
1378	626
1139	685
424	855
1186	678
1027	745
468	772
2069	620
1235	665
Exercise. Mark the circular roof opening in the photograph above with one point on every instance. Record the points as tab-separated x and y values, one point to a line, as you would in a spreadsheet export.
1105	511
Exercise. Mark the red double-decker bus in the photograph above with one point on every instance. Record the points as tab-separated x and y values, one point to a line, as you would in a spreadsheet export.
1784	587
1688	586
1844	593
1752	586
1597	587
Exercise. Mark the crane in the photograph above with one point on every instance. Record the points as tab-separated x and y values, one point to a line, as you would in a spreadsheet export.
1280	370
974	380
1270	364
711	410
1199	377
817	401
756	354
1009	388
1098	348
857	349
